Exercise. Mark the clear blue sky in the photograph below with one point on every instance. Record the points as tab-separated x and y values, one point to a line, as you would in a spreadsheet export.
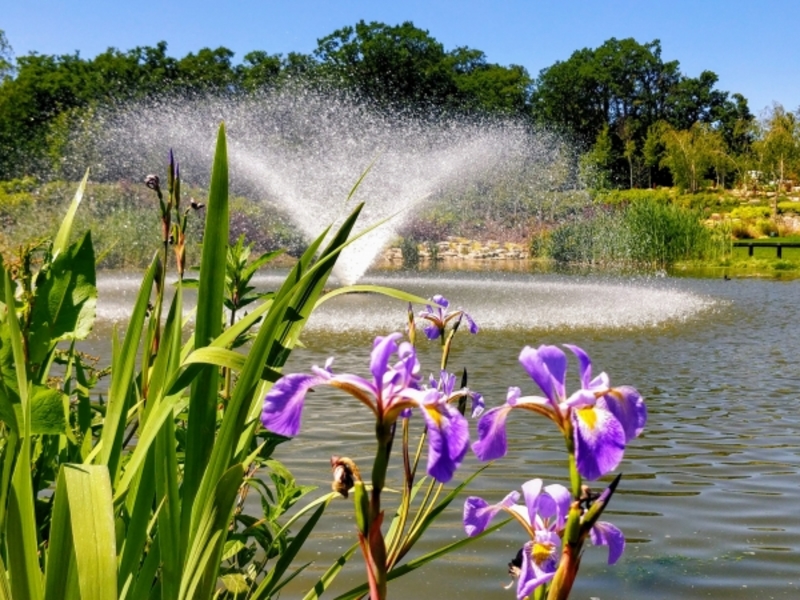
754	47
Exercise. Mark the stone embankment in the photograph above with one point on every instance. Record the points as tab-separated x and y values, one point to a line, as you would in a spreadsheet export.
457	249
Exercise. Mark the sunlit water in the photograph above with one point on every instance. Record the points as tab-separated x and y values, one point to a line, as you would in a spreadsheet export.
709	496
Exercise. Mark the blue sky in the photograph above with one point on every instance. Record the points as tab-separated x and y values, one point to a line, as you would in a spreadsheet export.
754	47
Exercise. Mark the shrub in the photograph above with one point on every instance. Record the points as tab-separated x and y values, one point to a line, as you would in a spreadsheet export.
750	212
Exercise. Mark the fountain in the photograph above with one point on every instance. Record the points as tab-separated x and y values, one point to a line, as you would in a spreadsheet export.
303	150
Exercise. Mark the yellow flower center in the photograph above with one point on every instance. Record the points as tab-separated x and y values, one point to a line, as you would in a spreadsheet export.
541	552
588	416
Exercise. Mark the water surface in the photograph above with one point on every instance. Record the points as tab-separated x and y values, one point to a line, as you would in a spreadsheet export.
709	495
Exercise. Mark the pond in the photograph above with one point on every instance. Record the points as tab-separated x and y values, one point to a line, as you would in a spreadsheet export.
709	494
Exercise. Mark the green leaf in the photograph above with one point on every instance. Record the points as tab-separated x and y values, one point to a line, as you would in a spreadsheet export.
205	548
124	364
208	325
66	298
62	237
48	414
23	562
82	537
329	575
272	581
5	588
10	407
373	289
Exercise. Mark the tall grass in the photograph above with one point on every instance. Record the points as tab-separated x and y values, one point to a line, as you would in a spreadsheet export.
649	232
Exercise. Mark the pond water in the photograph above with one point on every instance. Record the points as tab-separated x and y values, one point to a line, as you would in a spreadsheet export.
709	496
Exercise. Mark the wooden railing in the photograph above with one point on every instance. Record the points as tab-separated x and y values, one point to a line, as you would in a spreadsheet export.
779	246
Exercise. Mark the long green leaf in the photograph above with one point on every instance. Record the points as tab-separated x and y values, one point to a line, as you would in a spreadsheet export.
204	552
83	532
208	325
272	581
23	562
122	376
61	241
140	507
373	289
266	343
5	588
327	578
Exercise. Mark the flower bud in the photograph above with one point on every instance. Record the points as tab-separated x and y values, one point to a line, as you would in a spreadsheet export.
345	474
153	182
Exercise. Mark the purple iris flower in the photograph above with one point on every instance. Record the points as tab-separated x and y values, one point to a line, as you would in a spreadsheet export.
447	386
543	516
438	317
600	419
393	390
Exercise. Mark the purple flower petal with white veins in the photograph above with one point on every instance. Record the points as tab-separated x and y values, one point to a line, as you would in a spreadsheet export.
628	406
492	441
539	562
283	405
547	366
478	513
605	534
599	441
448	440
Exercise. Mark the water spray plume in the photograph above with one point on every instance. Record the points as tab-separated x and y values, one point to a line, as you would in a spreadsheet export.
301	151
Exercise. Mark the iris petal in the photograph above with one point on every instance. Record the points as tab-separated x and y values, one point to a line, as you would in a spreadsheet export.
584	362
539	564
283	405
473	326
547	366
448	440
478	513
382	350
432	331
628	406
492	442
605	534
599	441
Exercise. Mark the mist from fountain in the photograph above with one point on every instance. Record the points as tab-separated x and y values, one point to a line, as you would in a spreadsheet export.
302	150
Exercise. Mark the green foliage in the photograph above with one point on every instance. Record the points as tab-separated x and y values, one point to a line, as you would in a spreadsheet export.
648	231
124	224
405	65
750	212
628	88
788	207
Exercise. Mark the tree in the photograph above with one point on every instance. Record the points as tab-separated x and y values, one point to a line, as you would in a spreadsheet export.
627	87
393	64
595	164
653	149
405	66
6	57
690	153
779	146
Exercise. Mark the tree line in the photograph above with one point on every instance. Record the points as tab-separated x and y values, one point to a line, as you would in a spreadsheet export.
636	118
